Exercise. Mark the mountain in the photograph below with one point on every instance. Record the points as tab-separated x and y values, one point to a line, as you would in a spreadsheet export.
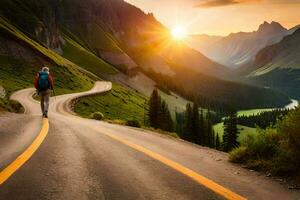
200	42
278	66
112	40
239	49
292	30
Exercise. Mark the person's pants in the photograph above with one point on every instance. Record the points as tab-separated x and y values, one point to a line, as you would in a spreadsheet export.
45	98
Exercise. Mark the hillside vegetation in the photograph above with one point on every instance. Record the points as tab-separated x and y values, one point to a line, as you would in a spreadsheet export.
86	59
17	70
120	103
275	149
88	38
244	131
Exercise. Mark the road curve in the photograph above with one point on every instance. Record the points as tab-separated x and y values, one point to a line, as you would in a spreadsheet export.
82	159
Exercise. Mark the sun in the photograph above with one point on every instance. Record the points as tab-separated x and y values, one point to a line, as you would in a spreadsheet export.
178	33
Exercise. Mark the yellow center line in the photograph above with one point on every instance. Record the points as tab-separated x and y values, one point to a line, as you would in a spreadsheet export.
224	192
21	160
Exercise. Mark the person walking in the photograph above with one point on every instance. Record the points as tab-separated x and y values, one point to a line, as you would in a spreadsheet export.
44	84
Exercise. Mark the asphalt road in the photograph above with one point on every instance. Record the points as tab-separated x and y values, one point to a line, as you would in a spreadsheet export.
88	159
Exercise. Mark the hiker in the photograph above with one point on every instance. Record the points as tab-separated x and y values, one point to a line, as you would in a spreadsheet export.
44	84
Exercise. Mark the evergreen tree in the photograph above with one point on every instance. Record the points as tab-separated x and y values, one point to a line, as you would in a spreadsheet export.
230	133
154	108
210	131
164	118
217	145
202	129
195	124
159	114
179	123
187	133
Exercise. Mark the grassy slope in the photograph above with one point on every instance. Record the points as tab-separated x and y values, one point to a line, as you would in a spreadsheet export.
102	40
175	103
244	131
85	59
118	104
46	52
16	74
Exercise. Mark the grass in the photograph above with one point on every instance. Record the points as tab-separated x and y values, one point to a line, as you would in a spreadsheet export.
175	103
40	49
85	59
244	131
16	74
274	149
253	111
102	40
119	104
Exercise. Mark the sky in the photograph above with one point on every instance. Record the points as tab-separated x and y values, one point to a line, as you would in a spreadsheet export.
221	17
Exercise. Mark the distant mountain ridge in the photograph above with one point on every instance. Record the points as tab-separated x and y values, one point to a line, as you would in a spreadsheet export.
287	52
278	66
239	49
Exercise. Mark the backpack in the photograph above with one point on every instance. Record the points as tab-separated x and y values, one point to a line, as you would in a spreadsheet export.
44	83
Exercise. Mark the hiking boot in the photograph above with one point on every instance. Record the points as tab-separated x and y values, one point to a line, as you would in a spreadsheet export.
45	115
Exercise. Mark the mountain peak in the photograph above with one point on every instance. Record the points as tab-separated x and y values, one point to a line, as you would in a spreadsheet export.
271	28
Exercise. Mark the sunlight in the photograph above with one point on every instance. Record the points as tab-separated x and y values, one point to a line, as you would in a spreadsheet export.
179	33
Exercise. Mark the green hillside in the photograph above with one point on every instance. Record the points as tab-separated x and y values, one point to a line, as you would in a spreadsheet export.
244	131
85	59
18	73
119	104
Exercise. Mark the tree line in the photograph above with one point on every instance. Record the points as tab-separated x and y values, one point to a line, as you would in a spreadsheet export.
194	125
159	114
220	96
263	119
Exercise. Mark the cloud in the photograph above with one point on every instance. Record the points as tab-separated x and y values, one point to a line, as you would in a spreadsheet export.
216	3
220	3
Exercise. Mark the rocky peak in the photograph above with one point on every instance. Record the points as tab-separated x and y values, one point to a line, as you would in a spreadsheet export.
271	28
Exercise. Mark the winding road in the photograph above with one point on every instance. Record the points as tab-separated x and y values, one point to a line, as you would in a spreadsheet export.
80	158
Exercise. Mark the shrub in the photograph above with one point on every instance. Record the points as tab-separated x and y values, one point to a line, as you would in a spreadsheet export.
238	155
97	116
133	123
11	106
16	106
275	149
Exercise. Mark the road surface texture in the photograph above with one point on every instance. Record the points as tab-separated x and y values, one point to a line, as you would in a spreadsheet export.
89	159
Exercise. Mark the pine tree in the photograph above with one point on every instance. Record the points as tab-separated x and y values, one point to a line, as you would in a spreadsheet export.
217	146
164	118
195	124
202	129
230	133
210	131
187	129
179	123
154	108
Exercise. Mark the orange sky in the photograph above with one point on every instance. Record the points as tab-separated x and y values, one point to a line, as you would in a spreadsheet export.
221	17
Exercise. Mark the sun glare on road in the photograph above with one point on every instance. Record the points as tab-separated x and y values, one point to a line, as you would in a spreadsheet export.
178	33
